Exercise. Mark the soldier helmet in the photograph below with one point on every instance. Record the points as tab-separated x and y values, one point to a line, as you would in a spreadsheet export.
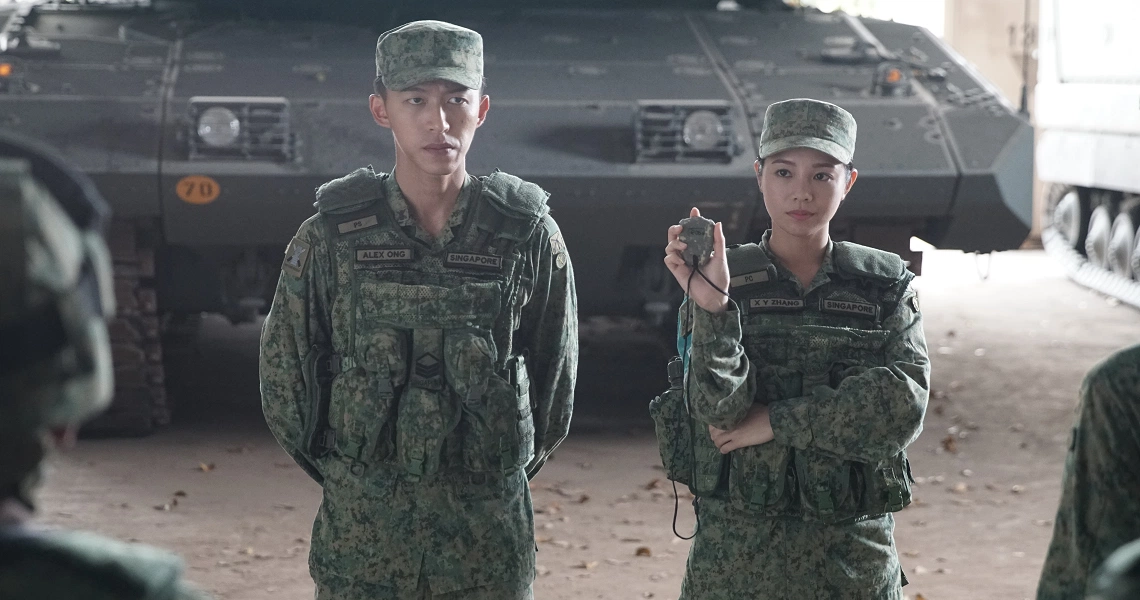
56	295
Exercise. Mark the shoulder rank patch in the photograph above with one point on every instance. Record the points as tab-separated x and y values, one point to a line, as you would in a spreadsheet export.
749	279
775	304
367	256
358	224
845	307
470	260
914	302
558	249
296	258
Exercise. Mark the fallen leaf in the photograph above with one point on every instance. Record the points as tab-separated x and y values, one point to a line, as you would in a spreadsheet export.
586	565
919	597
1017	489
967	473
585	465
617	563
206	467
631	540
940	410
911	554
960	488
180	494
541	570
991	487
173	502
920	570
653	484
643	551
582	499
550	509
284	506
950	444
542	539
561	544
1043	522
248	551
164	507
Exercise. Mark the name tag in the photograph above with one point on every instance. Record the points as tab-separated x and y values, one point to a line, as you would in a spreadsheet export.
467	260
858	309
774	304
370	255
749	279
358	224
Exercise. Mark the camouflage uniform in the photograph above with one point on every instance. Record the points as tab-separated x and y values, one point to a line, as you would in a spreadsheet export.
1119	577
421	381
843	368
1100	494
55	372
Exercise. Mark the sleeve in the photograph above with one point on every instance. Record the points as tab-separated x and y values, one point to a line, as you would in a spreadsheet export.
548	334
297	321
1100	490
721	381
870	416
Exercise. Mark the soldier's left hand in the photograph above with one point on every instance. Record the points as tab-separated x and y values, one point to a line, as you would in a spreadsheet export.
753	430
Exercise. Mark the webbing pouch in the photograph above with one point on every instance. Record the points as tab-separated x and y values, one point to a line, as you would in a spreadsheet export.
824	486
708	462
758	478
674	430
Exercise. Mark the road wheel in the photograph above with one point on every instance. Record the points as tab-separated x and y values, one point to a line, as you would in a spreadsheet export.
1121	242
1096	242
1067	212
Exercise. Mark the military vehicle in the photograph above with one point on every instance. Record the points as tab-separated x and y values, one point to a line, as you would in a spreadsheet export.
208	125
1087	112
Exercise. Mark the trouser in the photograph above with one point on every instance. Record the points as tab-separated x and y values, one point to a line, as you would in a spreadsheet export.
1100	492
483	592
735	555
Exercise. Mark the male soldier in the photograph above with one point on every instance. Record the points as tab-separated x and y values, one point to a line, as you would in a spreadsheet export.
1100	492
55	372
419	357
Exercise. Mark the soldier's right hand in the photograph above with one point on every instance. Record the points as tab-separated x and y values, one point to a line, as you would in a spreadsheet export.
716	269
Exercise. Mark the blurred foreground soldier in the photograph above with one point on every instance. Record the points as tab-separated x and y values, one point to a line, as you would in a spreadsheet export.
55	373
806	376
420	354
1119	576
1100	492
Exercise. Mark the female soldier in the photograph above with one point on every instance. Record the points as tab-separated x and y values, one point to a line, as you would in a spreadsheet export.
810	376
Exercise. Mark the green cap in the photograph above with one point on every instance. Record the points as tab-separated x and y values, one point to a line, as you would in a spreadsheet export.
807	123
425	50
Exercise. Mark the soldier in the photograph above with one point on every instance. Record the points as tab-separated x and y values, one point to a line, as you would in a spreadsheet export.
807	378
1119	577
55	373
1100	492
419	358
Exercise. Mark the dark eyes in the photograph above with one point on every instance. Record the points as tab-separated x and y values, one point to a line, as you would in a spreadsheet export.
783	173
822	177
454	100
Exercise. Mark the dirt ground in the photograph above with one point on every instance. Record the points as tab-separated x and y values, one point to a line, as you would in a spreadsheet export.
1008	354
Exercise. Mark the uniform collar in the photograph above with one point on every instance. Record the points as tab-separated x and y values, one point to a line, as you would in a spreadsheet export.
403	214
782	272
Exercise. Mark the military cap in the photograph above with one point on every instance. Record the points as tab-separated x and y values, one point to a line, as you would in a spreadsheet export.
807	123
424	50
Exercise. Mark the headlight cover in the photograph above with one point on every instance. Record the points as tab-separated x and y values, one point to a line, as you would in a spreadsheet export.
218	126
703	130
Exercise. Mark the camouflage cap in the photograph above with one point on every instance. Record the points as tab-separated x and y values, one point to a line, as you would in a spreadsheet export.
424	50
807	123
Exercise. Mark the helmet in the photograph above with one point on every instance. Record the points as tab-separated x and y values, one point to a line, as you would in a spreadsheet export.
1119	576
56	295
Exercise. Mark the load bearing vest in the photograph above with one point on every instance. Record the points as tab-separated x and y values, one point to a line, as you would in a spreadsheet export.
424	378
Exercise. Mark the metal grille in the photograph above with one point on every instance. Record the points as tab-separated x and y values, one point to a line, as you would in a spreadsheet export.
659	132
264	129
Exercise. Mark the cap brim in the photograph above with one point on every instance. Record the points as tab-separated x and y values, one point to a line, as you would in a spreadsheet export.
399	82
803	141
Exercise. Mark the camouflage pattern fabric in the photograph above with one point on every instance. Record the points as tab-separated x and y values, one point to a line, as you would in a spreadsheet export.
438	417
733	557
58	564
1100	492
806	123
1119	577
843	367
426	50
56	296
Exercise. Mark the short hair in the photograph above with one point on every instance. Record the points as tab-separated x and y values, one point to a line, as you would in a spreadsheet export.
850	167
379	89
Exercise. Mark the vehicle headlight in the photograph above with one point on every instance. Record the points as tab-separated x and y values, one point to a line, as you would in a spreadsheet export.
703	130
218	126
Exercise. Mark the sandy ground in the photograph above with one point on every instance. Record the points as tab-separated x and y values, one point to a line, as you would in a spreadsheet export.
1008	354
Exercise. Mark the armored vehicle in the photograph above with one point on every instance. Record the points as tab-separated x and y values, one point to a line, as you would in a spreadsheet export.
1088	89
208	125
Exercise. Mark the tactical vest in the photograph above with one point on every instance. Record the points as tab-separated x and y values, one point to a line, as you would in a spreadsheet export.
417	379
796	343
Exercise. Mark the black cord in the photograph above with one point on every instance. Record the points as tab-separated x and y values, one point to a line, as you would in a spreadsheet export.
676	509
707	280
688	323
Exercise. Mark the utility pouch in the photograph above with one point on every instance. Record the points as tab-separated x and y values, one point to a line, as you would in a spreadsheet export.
674	426
709	465
887	487
316	370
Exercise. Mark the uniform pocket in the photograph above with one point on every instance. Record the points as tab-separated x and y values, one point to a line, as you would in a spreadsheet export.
674	430
493	431
824	485
759	477
363	399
